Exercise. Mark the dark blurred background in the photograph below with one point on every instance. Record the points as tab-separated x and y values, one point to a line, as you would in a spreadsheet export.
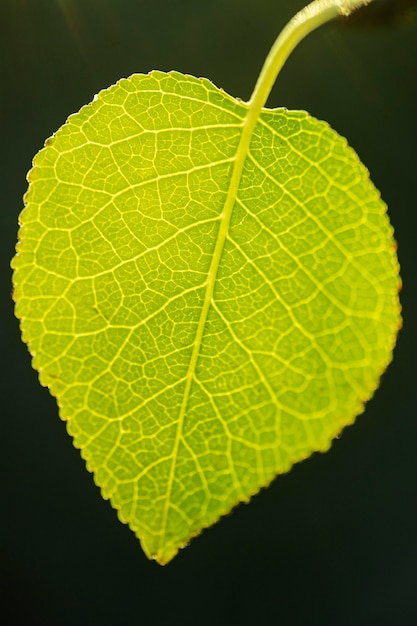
334	542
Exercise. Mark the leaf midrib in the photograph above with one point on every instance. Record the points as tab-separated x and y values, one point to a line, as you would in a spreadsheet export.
242	151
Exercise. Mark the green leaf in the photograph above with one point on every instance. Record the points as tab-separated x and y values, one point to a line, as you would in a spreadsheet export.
207	309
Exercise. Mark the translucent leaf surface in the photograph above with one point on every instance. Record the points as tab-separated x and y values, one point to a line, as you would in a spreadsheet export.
201	332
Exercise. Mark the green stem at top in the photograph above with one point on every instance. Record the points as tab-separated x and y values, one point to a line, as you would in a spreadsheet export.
302	24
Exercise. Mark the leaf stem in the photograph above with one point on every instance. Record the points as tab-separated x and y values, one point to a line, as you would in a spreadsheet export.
302	24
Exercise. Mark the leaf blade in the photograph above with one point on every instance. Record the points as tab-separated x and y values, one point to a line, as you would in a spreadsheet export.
210	368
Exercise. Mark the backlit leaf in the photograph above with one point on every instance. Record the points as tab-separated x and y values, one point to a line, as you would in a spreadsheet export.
201	332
